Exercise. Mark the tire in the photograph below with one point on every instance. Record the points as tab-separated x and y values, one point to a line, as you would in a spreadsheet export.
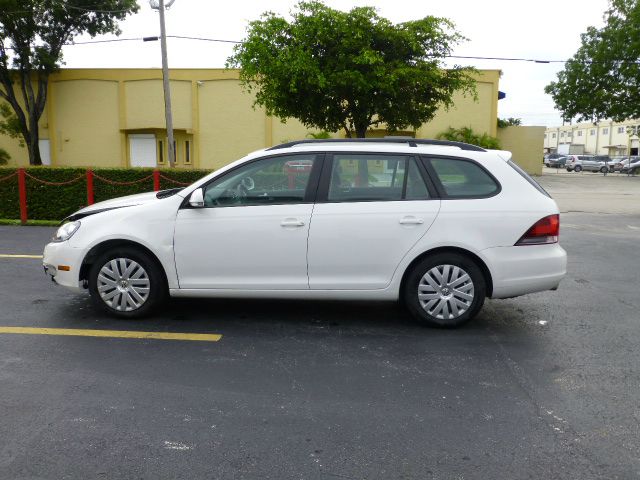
578	168
426	279
603	170
144	287
568	169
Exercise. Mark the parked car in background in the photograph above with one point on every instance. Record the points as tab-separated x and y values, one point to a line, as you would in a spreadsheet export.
549	157
632	168
558	162
439	225
623	163
588	163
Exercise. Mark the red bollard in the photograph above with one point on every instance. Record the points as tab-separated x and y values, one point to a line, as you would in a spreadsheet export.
90	187
22	189
156	180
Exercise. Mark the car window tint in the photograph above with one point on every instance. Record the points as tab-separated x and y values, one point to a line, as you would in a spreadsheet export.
461	178
416	188
278	180
366	177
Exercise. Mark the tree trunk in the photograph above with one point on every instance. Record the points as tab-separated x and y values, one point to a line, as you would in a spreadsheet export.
361	131
32	142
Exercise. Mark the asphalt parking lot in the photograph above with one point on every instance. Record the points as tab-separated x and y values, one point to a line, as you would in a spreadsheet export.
543	386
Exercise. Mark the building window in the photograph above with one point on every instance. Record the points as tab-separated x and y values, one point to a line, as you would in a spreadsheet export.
592	131
605	131
545	135
160	152
562	135
553	135
569	134
579	133
620	129
187	152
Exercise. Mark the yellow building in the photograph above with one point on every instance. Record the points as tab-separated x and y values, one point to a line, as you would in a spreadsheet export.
115	118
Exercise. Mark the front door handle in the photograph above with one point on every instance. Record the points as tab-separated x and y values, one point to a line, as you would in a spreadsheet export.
292	222
411	220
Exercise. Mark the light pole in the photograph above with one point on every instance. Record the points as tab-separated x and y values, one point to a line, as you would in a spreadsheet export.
161	6
632	131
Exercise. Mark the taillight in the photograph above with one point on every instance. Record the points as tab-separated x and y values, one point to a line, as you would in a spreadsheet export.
546	230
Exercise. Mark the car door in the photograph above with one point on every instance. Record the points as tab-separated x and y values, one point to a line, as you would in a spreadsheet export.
371	209
252	232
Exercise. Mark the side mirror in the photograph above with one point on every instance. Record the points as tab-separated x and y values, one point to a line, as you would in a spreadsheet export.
196	199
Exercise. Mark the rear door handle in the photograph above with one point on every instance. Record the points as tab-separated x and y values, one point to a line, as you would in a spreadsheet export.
292	222
410	220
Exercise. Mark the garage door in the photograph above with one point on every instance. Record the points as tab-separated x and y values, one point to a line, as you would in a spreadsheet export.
142	150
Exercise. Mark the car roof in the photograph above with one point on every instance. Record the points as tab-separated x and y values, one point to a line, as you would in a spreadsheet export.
406	146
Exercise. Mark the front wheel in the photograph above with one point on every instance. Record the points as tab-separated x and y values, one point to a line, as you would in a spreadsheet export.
578	168
444	290
127	283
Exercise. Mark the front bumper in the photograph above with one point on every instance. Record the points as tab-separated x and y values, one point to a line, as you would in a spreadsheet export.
526	269
62	263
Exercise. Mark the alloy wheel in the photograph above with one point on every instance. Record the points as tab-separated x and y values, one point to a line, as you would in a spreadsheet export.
123	284
446	292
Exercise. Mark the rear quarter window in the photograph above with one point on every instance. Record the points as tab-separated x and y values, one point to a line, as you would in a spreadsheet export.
463	178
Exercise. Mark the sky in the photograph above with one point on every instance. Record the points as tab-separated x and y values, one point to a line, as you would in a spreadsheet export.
544	30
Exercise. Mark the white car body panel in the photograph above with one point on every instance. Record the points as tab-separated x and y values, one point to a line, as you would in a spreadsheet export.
250	247
357	246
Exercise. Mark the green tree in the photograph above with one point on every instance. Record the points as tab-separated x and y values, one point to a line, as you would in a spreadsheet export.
509	122
9	123
321	135
467	135
335	70
32	34
601	79
4	156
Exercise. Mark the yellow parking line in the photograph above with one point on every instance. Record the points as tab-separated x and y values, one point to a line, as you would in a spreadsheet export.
202	337
5	255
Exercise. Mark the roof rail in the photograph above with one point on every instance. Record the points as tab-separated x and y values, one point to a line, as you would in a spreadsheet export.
412	142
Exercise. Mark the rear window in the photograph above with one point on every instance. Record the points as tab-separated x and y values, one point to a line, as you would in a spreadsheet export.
463	179
528	178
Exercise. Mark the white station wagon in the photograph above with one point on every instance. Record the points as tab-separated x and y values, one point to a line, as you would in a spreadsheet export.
437	225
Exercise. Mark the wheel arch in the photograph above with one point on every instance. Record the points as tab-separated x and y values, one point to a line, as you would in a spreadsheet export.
107	245
486	273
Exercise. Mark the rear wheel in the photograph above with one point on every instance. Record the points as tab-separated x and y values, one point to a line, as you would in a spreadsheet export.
578	168
444	290
127	283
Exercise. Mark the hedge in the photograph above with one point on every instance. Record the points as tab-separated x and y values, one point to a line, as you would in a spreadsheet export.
54	202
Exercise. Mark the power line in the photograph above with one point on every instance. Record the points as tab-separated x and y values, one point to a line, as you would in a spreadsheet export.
218	40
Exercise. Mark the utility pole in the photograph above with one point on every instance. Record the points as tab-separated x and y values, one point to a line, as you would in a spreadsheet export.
165	80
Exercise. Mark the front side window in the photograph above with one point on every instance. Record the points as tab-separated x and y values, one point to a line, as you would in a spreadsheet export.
462	178
271	181
375	177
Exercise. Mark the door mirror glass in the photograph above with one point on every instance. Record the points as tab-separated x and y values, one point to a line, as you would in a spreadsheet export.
196	199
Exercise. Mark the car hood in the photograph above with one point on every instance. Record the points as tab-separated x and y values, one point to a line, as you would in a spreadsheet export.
120	202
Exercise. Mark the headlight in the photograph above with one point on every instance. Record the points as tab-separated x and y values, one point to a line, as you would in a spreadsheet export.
66	231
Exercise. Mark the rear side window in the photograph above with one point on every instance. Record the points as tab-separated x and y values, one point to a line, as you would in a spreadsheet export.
463	179
375	177
528	178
